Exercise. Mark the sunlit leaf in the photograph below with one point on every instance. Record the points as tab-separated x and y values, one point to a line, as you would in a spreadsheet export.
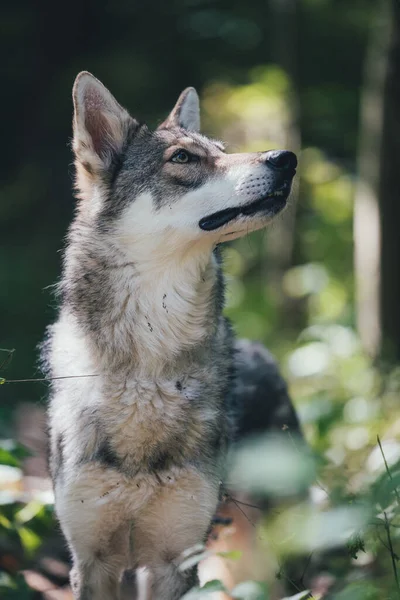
208	588
300	596
305	529
11	453
273	464
191	561
4	522
15	588
6	580
7	458
249	590
231	555
30	540
29	511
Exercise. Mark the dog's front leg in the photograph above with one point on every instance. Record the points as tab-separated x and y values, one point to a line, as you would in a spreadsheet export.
96	573
168	583
97	579
90	508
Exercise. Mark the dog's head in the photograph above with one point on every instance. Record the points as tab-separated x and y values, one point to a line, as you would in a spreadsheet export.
172	182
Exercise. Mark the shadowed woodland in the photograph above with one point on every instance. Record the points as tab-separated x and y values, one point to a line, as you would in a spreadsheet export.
320	287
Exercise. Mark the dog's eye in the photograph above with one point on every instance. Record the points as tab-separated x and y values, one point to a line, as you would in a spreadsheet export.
182	157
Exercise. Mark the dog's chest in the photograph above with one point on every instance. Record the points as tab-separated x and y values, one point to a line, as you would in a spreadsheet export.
138	416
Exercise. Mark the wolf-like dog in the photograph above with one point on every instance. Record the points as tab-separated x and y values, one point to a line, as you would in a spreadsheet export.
147	376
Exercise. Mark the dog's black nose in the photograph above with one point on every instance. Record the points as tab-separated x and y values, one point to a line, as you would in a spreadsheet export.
281	159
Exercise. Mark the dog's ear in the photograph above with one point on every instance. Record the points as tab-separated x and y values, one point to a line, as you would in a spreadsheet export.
186	112
101	127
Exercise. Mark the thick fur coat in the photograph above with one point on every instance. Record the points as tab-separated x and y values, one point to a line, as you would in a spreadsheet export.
145	394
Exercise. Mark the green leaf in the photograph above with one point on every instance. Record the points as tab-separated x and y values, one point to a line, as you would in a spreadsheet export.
30	511
30	540
214	586
15	588
208	588
6	581
355	545
4	522
232	555
300	596
7	458
11	453
249	590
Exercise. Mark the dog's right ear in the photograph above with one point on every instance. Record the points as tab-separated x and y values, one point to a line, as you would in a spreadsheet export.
101	127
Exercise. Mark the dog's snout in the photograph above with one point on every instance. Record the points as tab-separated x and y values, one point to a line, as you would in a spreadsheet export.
281	159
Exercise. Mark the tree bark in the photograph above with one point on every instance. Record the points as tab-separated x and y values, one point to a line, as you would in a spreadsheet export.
281	236
389	197
367	227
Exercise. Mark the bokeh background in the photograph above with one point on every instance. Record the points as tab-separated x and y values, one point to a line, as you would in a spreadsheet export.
320	287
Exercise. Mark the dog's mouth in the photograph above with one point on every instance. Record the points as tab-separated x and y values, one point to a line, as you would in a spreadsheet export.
270	204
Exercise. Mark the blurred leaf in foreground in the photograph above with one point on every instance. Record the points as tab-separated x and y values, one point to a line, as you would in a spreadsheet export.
277	465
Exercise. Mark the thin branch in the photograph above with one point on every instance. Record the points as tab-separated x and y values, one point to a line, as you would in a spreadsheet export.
243	503
241	510
388	471
305	568
384	544
283	574
4	364
3	380
392	553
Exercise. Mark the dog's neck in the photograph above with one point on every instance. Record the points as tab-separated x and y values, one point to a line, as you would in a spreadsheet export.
143	309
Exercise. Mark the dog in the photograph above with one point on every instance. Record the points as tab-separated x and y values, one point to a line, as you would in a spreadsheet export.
149	385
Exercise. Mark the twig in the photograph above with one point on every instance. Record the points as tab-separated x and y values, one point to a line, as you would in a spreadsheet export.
392	553
229	497
236	502
384	544
283	574
3	380
388	471
305	569
4	364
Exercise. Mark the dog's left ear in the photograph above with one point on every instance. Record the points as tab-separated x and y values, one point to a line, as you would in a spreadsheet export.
186	113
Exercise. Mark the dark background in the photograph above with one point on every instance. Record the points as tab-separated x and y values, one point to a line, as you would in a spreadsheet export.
146	53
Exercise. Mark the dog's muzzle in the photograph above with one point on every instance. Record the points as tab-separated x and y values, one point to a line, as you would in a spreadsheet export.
267	194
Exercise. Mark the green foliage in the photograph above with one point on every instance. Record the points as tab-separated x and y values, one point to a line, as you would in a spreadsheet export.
23	525
15	588
247	590
344	400
206	590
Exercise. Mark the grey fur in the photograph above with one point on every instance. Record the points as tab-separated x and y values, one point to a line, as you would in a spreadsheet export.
116	471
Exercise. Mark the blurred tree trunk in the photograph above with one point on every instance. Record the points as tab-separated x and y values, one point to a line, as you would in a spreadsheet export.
389	196
377	207
281	236
367	228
